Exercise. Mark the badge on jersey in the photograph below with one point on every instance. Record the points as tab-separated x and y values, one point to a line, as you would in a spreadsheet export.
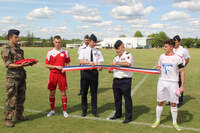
62	54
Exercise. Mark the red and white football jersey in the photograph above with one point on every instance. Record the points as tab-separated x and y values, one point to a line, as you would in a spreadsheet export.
57	58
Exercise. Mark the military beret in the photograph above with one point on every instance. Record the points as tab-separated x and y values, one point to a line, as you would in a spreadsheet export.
13	31
118	44
177	37
93	38
86	37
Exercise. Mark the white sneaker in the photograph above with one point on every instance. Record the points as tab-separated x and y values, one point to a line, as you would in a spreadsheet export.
52	112
65	114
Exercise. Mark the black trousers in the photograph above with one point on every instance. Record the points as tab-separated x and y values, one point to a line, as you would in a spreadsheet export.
122	87
89	79
181	97
81	82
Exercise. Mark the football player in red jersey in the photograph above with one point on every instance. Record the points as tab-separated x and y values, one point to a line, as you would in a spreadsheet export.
57	58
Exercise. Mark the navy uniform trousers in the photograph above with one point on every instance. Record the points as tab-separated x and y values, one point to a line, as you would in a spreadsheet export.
122	87
89	79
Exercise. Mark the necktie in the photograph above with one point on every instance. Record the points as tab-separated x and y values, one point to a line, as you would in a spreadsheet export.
91	55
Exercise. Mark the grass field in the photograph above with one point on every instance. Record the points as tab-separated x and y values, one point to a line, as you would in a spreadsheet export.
144	98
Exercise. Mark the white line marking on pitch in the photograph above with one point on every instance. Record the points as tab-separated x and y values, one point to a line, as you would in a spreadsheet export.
115	121
133	91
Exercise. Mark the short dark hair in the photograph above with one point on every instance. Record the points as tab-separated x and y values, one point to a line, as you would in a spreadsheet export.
170	42
57	37
177	37
12	32
86	37
117	44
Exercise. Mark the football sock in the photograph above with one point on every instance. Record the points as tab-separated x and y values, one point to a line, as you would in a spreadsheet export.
52	102
64	102
159	110
174	112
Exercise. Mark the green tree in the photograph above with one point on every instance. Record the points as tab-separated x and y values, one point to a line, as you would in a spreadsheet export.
158	39
138	34
122	35
188	42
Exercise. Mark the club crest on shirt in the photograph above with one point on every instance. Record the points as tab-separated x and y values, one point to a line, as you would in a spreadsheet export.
62	54
122	58
95	54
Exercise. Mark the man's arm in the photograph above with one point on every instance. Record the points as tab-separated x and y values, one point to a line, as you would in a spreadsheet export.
187	61
182	73
121	64
84	62
24	64
53	67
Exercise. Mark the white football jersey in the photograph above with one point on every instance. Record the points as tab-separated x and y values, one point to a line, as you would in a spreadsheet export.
126	57
169	67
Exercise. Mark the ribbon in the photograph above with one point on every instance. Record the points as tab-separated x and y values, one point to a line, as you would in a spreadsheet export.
121	68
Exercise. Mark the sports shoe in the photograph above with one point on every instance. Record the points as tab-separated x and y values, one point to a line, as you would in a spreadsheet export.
52	112
155	124
177	127
65	114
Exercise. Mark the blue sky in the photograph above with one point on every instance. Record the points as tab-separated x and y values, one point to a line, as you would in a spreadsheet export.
105	18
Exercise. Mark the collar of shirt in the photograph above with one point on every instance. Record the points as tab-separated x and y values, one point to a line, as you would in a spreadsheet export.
61	50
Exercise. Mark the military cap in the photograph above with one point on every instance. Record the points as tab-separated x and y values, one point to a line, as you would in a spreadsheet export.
177	37
93	38
118	43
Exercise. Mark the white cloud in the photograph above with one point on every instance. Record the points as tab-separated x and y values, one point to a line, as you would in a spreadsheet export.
175	16
89	19
62	28
7	20
192	5
119	2
128	12
82	10
83	27
138	21
104	23
137	26
84	14
158	26
41	13
194	22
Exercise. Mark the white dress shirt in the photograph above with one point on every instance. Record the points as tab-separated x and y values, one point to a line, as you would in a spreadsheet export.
126	57
85	54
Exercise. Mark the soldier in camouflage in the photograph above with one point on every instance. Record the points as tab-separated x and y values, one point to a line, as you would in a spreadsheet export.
15	79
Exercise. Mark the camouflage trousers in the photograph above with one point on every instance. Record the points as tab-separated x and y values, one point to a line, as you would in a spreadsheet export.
14	104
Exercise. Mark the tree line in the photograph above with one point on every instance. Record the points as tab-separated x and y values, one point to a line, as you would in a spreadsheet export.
157	40
31	41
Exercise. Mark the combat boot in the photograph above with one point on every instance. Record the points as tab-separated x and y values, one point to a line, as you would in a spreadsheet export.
9	123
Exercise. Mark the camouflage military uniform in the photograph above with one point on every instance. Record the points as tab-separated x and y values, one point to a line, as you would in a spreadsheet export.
15	82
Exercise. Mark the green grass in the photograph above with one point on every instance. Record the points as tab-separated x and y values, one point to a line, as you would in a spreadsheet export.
144	100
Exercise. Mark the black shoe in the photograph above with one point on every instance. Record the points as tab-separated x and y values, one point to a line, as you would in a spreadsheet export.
96	114
83	114
114	117
180	104
126	121
168	104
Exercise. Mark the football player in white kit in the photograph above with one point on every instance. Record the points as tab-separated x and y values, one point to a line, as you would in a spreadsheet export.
170	64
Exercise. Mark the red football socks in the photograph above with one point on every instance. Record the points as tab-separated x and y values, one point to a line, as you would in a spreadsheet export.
64	102
52	102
